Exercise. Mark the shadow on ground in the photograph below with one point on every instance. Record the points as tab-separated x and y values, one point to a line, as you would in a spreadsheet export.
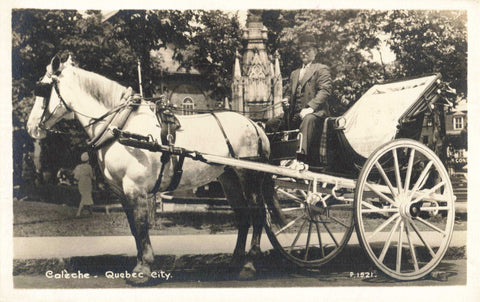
216	267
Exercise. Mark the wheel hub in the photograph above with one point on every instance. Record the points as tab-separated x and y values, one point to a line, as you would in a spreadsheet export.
405	207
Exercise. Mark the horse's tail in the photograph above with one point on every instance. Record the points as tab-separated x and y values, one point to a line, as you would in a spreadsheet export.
263	142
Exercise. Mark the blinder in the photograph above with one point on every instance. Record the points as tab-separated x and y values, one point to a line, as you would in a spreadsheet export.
43	90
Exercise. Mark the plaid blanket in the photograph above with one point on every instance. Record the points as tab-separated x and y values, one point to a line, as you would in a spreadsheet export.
323	144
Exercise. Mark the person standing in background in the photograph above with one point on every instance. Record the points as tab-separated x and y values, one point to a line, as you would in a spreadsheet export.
83	173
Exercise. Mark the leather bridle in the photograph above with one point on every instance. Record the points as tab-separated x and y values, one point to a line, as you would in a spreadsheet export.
45	90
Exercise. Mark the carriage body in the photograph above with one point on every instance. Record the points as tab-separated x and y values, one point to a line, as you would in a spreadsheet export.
375	144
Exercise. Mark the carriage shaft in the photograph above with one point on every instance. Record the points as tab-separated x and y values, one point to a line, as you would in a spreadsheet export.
339	182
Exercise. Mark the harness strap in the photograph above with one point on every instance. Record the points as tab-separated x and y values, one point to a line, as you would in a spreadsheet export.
118	118
57	90
260	144
229	145
169	125
177	174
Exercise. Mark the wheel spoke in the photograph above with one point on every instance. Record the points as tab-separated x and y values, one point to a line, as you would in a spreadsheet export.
298	235
431	226
421	178
389	240
288	225
412	249
338	221
426	209
399	248
330	233
381	211
383	225
380	194
302	191
308	240
421	238
397	170
293	197
372	209
292	209
409	170
385	178
320	239
428	192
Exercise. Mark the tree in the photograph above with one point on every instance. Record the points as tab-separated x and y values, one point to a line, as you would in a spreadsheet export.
429	41
423	41
344	37
215	37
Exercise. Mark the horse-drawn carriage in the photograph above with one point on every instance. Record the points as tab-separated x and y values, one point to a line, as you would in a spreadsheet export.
401	190
393	190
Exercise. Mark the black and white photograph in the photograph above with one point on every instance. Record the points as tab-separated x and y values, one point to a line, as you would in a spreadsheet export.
256	150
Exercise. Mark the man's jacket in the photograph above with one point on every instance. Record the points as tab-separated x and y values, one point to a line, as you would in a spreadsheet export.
312	90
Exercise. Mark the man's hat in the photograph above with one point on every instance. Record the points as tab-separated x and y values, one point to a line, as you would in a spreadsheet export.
307	40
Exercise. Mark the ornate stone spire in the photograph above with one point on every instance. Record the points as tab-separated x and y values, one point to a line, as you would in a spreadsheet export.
257	92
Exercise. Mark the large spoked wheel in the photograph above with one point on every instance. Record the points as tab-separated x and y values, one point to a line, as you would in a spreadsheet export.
307	229
404	209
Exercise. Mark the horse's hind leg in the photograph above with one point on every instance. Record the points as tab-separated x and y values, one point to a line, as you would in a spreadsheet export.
139	215
252	183
233	191
243	189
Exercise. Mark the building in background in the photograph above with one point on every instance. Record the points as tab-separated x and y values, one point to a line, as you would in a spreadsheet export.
186	89
456	121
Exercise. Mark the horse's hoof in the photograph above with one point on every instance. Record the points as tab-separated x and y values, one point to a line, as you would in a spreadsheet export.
248	272
140	275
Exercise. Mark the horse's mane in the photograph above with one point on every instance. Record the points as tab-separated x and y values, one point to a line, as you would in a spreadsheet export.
106	91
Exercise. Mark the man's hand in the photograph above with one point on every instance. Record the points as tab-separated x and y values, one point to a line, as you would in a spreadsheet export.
305	111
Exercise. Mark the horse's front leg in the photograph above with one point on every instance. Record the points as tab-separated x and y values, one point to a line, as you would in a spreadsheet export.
140	214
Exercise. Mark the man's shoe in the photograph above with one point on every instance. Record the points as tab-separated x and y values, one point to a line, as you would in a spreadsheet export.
294	164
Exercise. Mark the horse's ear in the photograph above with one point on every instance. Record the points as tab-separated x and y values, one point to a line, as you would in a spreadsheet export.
55	63
70	61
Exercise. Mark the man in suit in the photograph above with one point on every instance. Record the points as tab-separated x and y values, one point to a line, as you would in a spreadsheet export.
307	95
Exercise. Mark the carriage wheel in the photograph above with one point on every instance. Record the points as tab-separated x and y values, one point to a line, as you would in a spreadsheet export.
306	230
404	209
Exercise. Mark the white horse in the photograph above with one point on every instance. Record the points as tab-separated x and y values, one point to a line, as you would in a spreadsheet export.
133	172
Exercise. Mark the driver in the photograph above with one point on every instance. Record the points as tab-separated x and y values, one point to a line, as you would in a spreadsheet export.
306	93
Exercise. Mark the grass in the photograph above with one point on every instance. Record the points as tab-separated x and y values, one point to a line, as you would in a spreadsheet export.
44	219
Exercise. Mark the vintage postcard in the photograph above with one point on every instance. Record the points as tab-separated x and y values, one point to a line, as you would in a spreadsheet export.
284	151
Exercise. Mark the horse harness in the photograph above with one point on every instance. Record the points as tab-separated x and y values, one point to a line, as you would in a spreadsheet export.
169	125
45	90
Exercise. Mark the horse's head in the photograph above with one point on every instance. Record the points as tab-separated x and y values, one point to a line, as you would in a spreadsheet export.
49	107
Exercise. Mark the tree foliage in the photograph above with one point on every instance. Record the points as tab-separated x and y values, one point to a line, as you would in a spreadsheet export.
429	41
214	40
423	42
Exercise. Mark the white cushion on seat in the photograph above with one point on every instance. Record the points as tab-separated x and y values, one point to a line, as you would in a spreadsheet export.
373	120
